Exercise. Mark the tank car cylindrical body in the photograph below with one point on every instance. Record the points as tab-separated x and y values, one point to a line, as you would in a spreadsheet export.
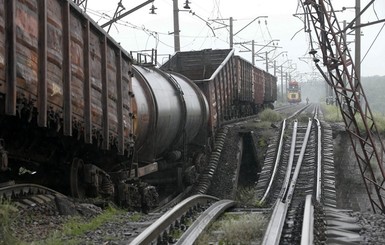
169	110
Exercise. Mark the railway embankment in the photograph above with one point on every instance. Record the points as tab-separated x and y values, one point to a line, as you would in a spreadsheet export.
351	192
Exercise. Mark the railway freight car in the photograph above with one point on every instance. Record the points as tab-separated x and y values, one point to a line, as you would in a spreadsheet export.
72	116
65	96
233	87
270	90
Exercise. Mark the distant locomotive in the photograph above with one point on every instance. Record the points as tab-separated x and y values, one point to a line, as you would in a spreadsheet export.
77	112
294	93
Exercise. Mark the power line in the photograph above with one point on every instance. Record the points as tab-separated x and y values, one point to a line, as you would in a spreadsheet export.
375	39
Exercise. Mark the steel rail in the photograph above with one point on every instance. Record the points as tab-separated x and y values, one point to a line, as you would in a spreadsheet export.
276	223
298	112
319	163
153	231
290	163
276	164
204	220
307	236
293	182
12	191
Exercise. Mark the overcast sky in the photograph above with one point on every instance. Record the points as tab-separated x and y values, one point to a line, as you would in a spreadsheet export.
141	30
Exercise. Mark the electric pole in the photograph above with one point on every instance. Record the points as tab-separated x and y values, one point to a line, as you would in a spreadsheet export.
357	56
231	33
176	26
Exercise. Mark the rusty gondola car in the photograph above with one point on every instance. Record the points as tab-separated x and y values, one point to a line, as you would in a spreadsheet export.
63	82
233	87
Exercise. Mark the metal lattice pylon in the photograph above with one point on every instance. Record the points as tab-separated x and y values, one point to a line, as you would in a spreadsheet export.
366	141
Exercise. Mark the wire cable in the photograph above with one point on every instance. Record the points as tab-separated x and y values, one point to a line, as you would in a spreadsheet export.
371	45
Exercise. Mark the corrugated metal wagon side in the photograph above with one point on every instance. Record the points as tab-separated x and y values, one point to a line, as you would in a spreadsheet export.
270	89
259	87
60	67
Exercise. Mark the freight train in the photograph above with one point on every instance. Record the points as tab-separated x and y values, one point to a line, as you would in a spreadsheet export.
78	114
294	93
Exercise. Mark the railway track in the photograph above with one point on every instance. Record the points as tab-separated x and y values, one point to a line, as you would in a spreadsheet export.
198	210
283	222
299	185
26	195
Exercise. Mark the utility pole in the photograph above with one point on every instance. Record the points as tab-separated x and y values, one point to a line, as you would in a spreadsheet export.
231	33
267	62
176	26
357	42
286	86
275	68
282	83
252	53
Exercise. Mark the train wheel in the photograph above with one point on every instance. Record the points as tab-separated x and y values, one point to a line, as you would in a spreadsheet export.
78	189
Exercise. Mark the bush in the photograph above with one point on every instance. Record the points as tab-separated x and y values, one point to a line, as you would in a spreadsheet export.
270	116
332	113
246	228
236	229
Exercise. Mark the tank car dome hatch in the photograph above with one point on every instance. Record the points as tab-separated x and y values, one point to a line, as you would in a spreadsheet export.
166	106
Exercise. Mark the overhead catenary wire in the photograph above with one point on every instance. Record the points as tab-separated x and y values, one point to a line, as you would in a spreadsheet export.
371	45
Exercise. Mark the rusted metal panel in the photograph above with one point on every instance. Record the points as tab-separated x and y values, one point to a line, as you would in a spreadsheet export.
10	57
105	107
77	71
87	85
26	21
228	82
126	65
66	72
42	64
2	45
112	90
27	54
55	66
55	59
119	94
270	88
96	81
259	86
245	80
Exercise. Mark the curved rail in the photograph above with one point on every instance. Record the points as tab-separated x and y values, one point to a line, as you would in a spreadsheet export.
275	226
20	190
164	222
308	222
204	220
307	235
276	164
290	163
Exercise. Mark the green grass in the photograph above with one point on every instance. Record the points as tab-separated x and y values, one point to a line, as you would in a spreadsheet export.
236	229
6	213
331	113
271	116
76	227
379	120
